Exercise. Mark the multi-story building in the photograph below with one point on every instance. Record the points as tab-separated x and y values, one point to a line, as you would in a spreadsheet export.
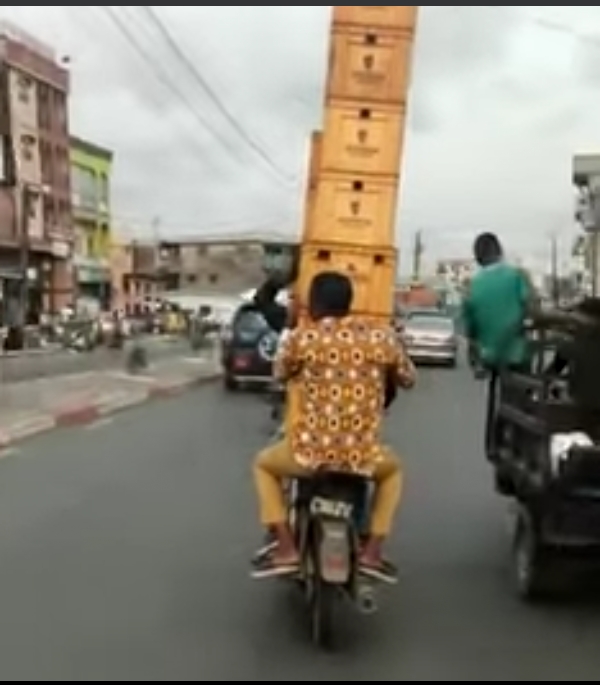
91	167
221	264
136	276
144	272
35	189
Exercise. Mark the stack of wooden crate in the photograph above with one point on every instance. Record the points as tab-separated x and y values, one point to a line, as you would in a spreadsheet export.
355	166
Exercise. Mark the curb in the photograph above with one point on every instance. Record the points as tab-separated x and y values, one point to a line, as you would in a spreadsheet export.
117	403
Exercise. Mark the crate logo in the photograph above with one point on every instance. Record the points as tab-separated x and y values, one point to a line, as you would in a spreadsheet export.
363	136
369	62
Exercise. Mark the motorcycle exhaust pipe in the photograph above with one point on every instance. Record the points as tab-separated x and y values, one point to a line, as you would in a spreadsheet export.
367	600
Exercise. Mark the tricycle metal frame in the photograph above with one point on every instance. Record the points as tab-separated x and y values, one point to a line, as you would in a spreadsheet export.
557	512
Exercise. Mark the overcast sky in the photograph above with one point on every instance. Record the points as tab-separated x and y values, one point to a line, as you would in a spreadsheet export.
502	98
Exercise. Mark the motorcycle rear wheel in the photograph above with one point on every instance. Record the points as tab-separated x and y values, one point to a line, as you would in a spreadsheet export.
322	614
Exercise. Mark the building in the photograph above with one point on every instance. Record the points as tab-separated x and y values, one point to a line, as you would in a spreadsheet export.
121	266
219	264
581	264
35	189
91	167
143	272
455	273
136	277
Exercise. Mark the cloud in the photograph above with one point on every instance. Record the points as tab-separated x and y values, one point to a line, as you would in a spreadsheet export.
495	115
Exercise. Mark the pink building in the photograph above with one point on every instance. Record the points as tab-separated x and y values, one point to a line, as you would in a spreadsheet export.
34	125
134	276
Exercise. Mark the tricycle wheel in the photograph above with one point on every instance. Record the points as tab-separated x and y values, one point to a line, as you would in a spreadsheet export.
504	482
532	560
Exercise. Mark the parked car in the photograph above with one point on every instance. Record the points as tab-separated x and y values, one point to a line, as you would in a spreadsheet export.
431	338
248	347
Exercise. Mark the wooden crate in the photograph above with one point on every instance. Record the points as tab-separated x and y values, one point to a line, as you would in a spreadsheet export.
369	66
354	210
393	18
362	139
372	270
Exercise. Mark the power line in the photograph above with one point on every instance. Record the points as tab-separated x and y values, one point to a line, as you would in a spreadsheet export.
164	77
159	78
200	79
167	80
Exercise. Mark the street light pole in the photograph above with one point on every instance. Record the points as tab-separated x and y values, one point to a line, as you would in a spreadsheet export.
24	249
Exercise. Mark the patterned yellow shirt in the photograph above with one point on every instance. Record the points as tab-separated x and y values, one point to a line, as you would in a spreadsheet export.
340	368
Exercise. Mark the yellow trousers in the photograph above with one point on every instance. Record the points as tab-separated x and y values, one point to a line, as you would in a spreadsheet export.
276	464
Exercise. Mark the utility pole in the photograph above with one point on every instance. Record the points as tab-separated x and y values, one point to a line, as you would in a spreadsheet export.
418	251
554	270
23	198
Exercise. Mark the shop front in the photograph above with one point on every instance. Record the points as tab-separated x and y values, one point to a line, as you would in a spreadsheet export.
94	282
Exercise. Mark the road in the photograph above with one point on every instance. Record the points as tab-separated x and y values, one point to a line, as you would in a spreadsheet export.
123	554
28	366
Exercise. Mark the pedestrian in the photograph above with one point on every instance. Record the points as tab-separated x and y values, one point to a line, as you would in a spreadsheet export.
499	299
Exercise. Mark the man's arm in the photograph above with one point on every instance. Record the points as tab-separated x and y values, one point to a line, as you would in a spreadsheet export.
401	370
265	300
288	360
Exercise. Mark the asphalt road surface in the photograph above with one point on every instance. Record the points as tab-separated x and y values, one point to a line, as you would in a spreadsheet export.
28	366
123	556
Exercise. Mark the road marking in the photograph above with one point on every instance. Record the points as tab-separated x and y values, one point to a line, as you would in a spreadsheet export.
97	425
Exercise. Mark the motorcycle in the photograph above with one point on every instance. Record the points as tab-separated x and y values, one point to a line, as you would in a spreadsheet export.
327	516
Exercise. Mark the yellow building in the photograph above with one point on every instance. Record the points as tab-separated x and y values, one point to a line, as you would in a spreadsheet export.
91	168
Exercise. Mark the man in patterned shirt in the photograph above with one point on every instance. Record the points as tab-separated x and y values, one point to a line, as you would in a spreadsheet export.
341	365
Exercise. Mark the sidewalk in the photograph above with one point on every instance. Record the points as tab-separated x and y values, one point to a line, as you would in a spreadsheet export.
33	407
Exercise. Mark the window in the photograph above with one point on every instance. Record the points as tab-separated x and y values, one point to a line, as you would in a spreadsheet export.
84	187
103	192
249	326
32	206
49	213
43	106
24	86
104	241
46	162
64	212
27	148
60	111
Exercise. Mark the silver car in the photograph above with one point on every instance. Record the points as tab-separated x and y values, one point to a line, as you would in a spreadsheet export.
431	339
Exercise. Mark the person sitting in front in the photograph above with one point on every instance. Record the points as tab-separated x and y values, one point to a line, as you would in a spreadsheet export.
341	364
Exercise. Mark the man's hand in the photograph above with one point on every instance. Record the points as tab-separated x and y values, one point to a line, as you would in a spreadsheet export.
406	373
293	314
